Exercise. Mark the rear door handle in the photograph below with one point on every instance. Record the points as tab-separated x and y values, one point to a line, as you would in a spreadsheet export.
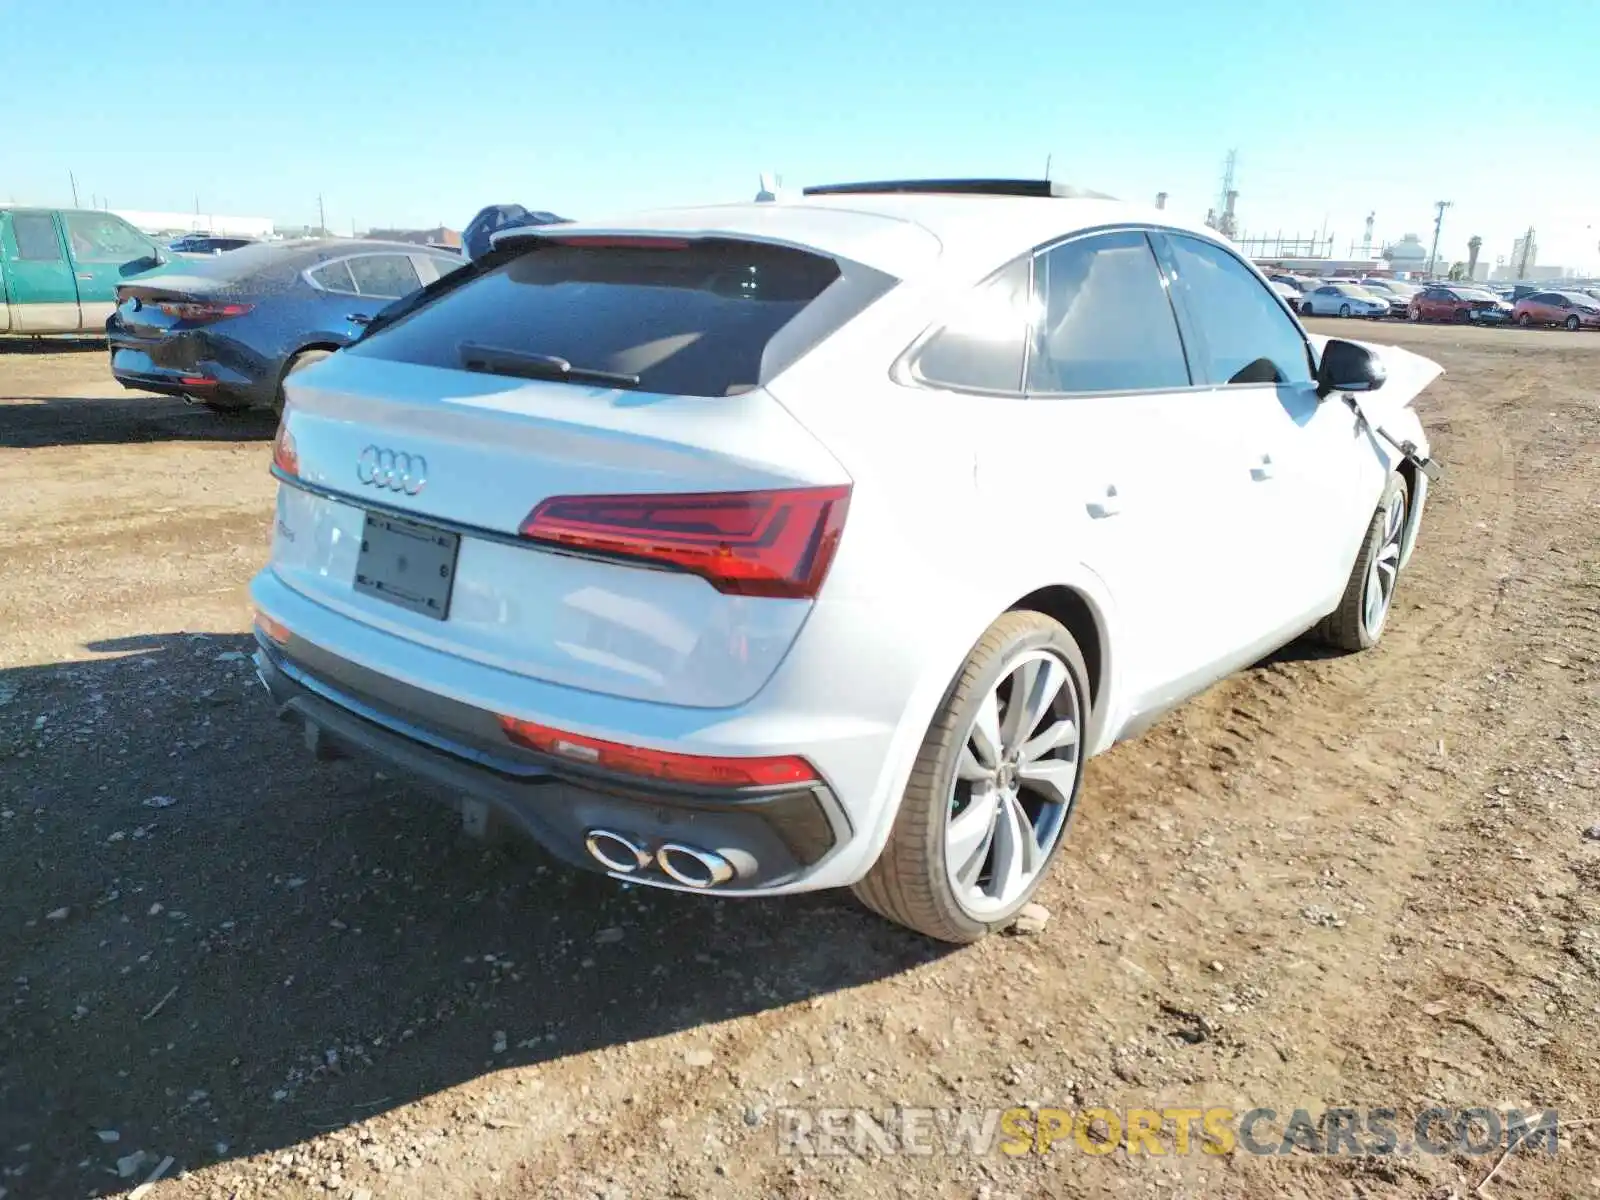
1263	470
1108	505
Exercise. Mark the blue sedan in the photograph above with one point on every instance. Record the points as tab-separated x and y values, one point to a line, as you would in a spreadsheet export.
227	331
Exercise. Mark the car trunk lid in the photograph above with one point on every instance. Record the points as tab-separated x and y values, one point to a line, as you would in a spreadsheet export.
397	439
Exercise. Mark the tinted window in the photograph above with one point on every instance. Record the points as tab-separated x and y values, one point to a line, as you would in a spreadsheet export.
1104	320
691	319
36	237
386	276
335	277
101	237
436	266
982	347
1245	337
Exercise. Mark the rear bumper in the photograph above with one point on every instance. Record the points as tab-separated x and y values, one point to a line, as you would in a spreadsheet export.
774	839
188	365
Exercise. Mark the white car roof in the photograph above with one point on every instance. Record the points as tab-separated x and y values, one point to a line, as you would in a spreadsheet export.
909	236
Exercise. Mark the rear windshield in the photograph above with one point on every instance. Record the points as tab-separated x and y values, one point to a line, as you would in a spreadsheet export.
689	318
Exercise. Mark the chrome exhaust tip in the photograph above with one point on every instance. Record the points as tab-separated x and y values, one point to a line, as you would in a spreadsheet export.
615	852
693	867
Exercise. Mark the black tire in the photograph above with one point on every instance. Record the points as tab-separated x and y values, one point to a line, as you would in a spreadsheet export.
1344	310
909	883
1464	315
1572	324
1416	315
1524	320
299	362
1306	310
1346	628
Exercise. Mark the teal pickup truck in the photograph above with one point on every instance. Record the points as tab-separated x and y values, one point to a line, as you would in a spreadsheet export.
59	268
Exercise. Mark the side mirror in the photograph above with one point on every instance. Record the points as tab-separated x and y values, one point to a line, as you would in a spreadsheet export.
1347	367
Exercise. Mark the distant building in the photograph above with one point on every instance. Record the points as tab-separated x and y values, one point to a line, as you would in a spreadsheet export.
1318	267
438	236
1509	272
176	222
1408	254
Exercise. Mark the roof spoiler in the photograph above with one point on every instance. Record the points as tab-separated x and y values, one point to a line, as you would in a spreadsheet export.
1042	188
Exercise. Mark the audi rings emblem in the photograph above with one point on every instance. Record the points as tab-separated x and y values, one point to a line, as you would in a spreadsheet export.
392	469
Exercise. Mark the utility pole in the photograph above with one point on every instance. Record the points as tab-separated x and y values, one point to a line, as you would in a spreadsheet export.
1527	252
1047	159
1438	224
1221	218
74	179
322	218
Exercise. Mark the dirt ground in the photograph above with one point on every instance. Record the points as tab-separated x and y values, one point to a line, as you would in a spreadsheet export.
1368	881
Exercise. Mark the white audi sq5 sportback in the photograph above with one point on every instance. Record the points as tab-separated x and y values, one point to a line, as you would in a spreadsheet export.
819	542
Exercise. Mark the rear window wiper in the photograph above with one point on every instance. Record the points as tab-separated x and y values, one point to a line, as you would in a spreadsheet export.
491	360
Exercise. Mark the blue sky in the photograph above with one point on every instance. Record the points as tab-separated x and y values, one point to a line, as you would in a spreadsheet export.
405	113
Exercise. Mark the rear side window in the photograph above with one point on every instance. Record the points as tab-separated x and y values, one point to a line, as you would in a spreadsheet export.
386	276
335	277
436	266
689	318
1245	337
36	237
1104	322
983	346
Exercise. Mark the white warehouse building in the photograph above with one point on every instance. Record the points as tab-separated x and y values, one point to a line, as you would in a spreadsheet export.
166	222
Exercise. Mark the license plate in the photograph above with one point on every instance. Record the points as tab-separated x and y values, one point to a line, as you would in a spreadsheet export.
407	563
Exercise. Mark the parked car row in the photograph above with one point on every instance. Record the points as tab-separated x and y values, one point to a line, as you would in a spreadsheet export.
208	243
1569	308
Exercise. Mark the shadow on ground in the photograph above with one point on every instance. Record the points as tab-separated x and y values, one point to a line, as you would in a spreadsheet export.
27	422
50	344
214	947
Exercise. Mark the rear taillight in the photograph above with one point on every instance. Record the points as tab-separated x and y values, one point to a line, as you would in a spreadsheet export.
198	312
284	456
770	543
274	631
704	769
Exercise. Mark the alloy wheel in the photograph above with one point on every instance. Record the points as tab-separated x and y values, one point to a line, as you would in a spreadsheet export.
1385	569
1014	785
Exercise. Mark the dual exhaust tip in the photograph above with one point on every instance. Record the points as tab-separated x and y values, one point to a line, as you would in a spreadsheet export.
690	866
